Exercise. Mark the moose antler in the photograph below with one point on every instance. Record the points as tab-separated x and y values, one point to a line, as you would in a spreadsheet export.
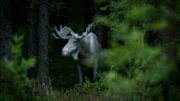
76	35
88	29
62	33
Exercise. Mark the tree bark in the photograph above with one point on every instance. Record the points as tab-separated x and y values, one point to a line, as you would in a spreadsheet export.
102	31
32	34
5	29
32	38
89	12
44	81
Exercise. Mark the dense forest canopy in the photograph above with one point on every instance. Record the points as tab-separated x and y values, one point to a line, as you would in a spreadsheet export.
139	59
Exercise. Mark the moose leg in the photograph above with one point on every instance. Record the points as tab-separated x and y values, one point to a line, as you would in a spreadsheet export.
80	73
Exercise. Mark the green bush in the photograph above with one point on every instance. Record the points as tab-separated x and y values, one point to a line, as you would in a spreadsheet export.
137	69
15	84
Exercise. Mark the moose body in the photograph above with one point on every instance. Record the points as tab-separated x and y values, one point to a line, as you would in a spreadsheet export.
82	48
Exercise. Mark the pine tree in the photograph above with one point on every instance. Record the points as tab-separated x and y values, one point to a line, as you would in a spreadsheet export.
43	73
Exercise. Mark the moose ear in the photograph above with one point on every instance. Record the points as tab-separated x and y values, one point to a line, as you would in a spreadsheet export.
75	55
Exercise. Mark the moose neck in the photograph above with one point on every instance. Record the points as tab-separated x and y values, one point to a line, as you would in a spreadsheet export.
84	47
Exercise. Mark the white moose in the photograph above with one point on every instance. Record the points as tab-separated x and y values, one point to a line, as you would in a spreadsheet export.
80	47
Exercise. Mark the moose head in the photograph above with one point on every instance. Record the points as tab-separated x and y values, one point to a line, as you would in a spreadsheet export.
74	40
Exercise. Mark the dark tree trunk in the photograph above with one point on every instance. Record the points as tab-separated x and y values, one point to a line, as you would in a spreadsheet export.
32	34
89	11
170	36
5	29
102	31
45	84
32	37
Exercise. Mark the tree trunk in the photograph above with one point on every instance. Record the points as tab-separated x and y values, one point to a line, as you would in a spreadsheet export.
5	29
89	12
44	81
102	31
32	38
32	34
170	36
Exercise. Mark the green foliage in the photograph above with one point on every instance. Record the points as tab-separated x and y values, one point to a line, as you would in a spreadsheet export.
16	83
56	6
33	3
100	1
64	67
135	66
